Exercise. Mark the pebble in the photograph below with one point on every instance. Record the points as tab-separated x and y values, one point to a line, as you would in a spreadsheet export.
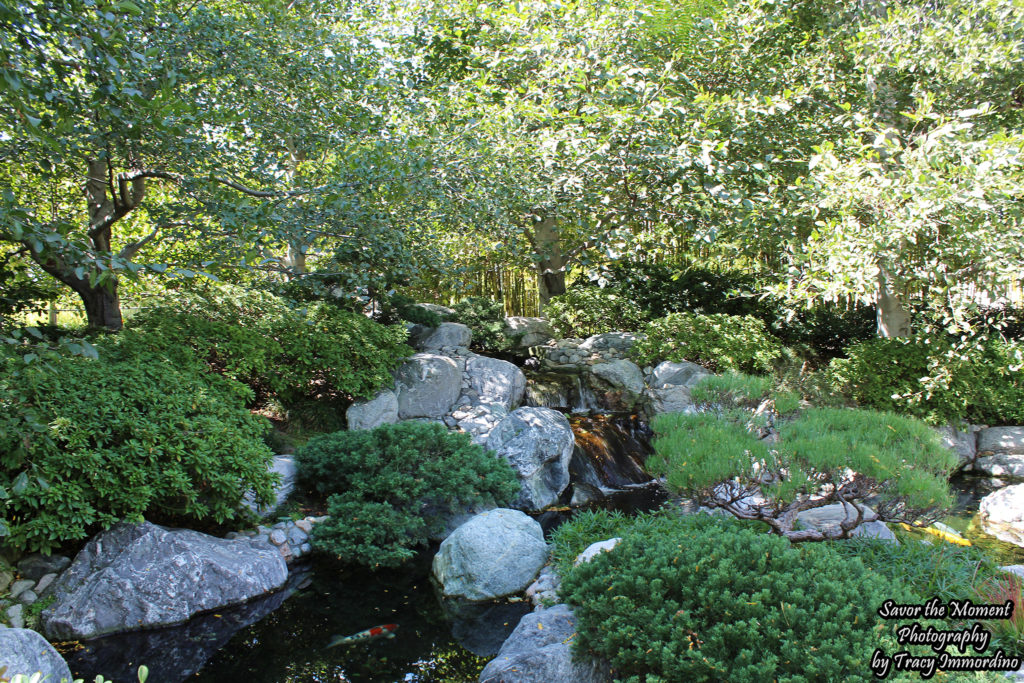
305	525
15	616
278	537
20	586
45	582
27	597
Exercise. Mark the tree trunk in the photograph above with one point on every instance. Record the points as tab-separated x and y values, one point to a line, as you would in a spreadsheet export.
893	317
295	259
102	306
551	263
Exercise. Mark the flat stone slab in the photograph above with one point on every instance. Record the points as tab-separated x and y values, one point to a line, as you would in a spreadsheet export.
1001	441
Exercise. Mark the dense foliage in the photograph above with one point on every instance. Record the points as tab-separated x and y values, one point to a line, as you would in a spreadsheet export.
587	311
280	349
658	289
935	378
486	319
390	489
705	599
898	460
716	341
86	442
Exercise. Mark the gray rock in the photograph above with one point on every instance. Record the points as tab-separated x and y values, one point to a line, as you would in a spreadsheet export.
283	465
539	651
27	597
36	566
1001	441
496	381
25	652
482	627
538	443
832	515
493	555
673	374
6	578
138	576
44	583
427	386
624	381
446	334
594	549
1002	514
1008	465
380	410
442	311
528	331
278	537
20	586
620	341
962	442
16	616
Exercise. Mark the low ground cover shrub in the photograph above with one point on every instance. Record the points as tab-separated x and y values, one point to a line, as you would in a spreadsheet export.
87	442
938	380
718	342
280	349
587	311
389	489
701	598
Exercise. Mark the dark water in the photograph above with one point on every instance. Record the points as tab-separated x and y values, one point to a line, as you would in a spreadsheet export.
284	637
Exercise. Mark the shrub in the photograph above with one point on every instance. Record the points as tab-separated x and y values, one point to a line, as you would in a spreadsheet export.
586	527
935	379
85	443
832	454
822	332
732	389
592	310
405	308
658	289
718	342
389	489
486	318
292	353
997	590
704	599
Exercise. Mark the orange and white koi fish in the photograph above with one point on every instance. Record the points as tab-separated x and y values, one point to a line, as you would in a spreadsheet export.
385	631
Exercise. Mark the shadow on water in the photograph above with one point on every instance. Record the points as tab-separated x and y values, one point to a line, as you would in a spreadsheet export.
277	640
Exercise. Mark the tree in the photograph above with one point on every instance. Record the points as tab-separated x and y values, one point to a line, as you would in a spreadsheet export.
823	456
134	105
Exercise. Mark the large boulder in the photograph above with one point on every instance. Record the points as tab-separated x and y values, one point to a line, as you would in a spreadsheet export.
1002	514
138	576
1004	465
427	386
1001	441
540	651
963	442
496	381
284	466
538	443
528	332
495	554
620	381
382	409
25	652
446	335
669	385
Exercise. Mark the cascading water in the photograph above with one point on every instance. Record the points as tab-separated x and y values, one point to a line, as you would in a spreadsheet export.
609	456
561	391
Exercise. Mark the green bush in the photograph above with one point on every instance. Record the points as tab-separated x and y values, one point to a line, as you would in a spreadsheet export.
936	380
822	332
658	289
718	342
586	527
700	598
732	389
405	308
389	489
592	310
85	443
280	350
486	318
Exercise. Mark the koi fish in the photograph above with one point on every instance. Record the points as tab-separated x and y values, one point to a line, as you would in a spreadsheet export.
387	631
